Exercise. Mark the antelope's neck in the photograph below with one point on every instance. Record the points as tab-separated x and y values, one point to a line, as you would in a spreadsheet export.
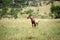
32	19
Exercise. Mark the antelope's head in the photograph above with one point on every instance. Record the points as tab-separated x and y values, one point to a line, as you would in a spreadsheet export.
30	16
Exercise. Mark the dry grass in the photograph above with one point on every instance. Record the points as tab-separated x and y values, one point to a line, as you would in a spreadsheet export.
20	29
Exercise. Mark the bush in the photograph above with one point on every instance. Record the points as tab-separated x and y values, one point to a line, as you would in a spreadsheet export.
14	12
9	13
55	10
3	12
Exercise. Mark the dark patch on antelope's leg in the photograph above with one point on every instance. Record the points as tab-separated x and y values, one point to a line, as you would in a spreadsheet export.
34	24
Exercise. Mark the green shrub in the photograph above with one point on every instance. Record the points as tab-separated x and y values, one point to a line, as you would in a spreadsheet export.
14	12
55	10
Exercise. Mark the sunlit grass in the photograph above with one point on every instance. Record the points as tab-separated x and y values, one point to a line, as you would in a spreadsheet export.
21	29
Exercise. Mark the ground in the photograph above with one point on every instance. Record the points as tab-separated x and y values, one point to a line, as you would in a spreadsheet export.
21	29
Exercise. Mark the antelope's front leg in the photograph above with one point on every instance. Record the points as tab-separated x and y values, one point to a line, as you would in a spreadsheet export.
33	25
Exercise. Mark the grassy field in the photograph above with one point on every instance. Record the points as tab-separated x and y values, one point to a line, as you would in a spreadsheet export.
20	29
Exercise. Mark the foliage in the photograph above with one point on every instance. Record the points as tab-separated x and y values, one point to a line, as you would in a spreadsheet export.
9	13
21	1
7	3
3	12
29	11
0	13
5	6
13	13
19	4
55	10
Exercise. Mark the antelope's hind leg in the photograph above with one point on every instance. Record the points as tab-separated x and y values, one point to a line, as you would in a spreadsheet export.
36	24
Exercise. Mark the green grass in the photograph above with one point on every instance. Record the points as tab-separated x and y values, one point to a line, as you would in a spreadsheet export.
20	29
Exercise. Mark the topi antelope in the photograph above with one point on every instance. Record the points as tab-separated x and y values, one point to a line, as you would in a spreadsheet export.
34	21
